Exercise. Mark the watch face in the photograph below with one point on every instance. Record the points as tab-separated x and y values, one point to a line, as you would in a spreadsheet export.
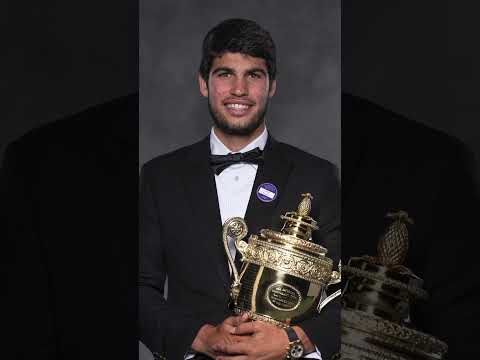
296	351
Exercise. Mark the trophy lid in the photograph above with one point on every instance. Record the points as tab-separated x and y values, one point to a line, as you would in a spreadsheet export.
380	284
297	229
298	223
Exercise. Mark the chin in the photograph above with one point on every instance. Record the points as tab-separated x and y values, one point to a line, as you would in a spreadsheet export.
237	130
239	126
245	127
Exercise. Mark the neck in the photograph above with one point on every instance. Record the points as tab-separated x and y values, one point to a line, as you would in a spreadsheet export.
235	143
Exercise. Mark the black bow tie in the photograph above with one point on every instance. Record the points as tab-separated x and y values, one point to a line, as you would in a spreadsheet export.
221	162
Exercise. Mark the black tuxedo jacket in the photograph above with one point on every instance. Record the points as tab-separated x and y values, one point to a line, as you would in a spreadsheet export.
392	163
68	206
180	238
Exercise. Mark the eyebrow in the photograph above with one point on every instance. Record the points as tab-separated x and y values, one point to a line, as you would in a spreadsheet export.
230	70
260	70
224	68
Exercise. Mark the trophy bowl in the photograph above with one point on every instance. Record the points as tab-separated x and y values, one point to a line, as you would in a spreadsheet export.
284	275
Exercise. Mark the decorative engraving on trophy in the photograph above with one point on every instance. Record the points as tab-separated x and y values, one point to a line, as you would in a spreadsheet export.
236	229
281	259
283	297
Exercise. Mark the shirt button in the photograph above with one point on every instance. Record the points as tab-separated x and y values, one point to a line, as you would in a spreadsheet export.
236	178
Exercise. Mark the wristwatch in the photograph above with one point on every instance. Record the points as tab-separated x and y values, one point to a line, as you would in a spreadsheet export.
295	346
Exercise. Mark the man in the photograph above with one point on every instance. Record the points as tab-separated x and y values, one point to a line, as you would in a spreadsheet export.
185	200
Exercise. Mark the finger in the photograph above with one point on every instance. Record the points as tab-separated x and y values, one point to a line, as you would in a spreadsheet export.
238	338
228	328
232	321
244	318
246	328
239	348
231	357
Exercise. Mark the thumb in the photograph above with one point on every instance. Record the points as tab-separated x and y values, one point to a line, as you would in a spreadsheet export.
244	317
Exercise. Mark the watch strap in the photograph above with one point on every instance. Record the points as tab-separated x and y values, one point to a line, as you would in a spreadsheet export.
292	335
295	347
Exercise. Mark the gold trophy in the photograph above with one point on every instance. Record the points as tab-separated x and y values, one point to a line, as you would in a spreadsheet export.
284	276
376	302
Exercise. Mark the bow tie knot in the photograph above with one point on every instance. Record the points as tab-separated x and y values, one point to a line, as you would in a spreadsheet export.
221	162
236	157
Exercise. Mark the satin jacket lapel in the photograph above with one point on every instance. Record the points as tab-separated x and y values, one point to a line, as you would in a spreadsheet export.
275	170
201	191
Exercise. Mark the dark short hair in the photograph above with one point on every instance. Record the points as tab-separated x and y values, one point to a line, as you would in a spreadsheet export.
238	36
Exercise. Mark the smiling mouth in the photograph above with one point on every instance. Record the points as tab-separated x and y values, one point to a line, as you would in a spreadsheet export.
238	106
238	109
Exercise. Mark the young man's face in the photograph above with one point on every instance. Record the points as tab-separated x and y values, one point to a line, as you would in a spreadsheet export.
238	91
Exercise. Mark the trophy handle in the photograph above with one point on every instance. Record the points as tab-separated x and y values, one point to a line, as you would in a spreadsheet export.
335	279
236	228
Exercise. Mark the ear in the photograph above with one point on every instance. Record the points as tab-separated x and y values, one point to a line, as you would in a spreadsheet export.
202	85
273	88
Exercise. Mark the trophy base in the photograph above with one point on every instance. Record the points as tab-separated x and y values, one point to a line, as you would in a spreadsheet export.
370	337
260	317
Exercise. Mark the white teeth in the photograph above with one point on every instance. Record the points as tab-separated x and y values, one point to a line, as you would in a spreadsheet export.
237	106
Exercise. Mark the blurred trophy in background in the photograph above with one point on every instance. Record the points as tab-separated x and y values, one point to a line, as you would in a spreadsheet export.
284	275
378	294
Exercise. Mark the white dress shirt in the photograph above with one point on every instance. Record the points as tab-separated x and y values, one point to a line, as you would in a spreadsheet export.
234	186
235	183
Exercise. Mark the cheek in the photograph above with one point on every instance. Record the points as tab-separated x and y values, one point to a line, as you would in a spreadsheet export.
219	89
259	92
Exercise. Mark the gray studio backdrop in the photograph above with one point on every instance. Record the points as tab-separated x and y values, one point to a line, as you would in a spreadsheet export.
305	111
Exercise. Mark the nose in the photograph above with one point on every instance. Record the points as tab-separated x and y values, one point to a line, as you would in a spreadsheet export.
240	87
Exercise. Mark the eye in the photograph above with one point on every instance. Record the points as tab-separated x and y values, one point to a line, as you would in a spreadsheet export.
255	75
224	74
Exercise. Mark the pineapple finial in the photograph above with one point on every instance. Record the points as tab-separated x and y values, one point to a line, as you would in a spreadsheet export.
305	205
393	246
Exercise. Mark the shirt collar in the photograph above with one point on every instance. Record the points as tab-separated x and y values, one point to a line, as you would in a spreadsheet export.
218	148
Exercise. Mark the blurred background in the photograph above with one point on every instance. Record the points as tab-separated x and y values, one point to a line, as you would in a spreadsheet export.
62	57
416	59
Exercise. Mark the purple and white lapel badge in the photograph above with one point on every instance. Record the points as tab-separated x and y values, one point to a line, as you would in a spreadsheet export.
267	192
